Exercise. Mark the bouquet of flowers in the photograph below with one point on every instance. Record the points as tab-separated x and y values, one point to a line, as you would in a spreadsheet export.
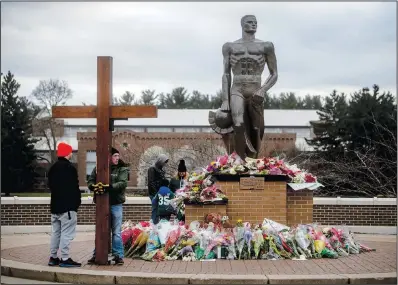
171	239
258	239
127	232
348	242
229	242
139	243
303	242
239	233
273	252
248	236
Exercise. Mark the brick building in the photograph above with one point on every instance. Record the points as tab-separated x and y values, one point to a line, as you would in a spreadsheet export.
182	134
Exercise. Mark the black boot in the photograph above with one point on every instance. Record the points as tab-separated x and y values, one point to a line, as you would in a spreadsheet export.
118	260
91	260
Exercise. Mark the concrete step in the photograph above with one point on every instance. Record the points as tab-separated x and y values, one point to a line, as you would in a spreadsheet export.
14	280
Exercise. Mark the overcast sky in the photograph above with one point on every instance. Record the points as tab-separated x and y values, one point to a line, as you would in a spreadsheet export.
319	46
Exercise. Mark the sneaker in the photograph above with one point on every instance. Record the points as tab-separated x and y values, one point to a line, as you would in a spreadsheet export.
53	261
118	260
91	260
69	263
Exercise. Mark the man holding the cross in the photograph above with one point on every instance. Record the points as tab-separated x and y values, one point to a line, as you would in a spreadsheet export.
117	196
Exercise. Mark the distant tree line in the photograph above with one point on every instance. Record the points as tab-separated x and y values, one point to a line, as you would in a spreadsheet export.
180	98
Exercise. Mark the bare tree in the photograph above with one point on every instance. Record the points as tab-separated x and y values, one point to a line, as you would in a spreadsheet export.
47	94
364	172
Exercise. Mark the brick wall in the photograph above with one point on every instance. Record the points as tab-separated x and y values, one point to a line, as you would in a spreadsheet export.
355	215
198	212
37	212
20	215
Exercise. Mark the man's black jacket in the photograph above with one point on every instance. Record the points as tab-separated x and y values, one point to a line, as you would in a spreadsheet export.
64	186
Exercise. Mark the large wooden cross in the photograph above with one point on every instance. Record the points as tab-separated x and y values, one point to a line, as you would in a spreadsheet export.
105	114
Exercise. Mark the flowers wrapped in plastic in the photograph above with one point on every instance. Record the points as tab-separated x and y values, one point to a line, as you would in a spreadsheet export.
152	244
270	240
258	240
140	243
303	242
248	236
239	233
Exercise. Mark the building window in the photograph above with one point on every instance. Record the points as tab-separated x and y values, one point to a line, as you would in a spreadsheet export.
91	161
159	130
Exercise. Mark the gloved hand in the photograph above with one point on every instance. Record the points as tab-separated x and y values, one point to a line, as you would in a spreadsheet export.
91	187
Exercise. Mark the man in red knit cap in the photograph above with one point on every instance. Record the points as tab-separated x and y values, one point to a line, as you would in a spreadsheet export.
65	201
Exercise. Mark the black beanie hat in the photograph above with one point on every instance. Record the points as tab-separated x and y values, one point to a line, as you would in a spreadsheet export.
181	166
114	150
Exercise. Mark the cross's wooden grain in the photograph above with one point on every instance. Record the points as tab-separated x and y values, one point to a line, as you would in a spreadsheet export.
104	113
116	112
104	142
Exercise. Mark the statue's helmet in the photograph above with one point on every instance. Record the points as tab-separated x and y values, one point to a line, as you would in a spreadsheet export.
221	121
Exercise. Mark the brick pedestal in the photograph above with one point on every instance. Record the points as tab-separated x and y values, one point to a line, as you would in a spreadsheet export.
255	205
274	201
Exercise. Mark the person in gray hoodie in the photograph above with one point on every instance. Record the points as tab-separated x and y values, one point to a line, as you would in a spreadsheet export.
156	175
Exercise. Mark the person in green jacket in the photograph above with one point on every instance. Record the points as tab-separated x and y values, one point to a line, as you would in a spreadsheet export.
117	197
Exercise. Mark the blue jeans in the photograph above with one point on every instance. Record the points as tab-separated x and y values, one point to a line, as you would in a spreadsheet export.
117	220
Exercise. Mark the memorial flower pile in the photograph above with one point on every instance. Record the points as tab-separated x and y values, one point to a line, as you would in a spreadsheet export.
268	240
201	188
233	164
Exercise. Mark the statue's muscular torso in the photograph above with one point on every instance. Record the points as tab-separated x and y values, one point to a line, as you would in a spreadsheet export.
247	61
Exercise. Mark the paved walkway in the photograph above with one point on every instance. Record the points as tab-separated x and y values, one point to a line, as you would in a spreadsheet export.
34	248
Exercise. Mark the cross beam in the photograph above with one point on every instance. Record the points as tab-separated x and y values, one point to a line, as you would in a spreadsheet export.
116	112
105	114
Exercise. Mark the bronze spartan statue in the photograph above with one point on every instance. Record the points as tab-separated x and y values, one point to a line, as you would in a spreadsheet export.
240	120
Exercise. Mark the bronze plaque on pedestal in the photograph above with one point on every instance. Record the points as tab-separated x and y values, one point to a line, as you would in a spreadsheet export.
251	183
